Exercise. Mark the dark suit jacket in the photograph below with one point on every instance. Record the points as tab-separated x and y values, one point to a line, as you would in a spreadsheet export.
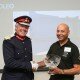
17	56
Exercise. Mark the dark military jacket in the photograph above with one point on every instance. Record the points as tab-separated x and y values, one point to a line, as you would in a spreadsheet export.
17	56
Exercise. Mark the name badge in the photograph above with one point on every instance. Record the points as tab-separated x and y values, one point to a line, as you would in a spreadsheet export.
67	49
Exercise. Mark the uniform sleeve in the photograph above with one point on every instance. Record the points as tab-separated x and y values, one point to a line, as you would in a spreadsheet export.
75	55
10	61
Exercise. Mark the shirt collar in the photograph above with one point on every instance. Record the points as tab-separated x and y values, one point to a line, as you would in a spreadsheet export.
67	43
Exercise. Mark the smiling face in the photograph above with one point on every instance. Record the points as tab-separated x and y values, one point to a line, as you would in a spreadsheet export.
62	32
21	30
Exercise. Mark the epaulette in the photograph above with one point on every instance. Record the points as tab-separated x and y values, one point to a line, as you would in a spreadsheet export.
8	37
28	37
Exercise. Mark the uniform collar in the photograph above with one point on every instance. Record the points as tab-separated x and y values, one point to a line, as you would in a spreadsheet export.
20	37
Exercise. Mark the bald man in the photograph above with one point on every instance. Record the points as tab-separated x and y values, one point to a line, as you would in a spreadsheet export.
69	53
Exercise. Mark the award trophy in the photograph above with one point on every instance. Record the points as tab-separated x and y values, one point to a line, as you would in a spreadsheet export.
53	61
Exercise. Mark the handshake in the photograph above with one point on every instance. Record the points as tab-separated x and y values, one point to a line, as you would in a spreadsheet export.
51	62
41	64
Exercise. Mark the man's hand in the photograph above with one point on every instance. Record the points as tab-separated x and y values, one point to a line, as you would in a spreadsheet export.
56	71
44	63
41	64
34	65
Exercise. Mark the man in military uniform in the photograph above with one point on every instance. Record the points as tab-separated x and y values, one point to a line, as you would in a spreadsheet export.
70	60
17	53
